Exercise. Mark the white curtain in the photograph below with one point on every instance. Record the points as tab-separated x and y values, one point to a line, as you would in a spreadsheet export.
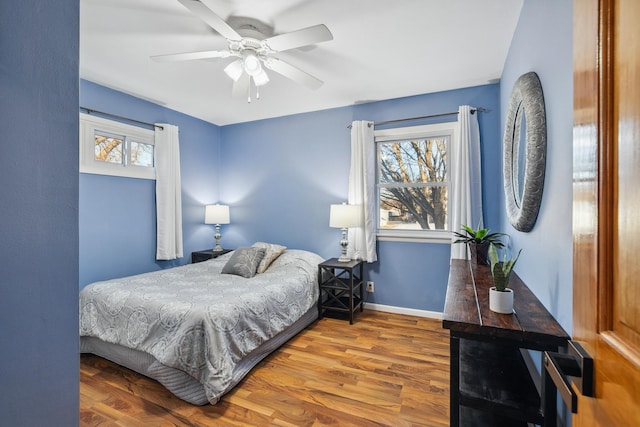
168	193
362	191
466	192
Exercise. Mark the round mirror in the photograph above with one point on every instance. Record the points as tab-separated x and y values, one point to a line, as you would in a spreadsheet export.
524	147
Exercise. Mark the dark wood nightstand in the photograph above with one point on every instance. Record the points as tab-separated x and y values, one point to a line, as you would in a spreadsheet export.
341	287
199	256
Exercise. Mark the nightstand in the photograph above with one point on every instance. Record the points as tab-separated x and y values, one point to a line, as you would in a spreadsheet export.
341	287
199	256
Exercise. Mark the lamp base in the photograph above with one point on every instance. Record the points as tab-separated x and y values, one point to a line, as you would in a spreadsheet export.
344	243
217	236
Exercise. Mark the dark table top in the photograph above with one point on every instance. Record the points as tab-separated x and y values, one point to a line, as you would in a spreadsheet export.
466	310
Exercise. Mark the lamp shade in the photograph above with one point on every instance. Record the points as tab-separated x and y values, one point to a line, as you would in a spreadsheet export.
216	214
344	216
234	70
261	78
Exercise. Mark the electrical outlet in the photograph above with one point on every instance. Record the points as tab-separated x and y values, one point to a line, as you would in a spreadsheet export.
370	286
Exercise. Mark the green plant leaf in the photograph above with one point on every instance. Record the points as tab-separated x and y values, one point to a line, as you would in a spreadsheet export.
478	236
500	280
493	256
470	231
501	271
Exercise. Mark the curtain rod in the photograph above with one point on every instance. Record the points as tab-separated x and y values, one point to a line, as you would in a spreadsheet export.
473	110
91	110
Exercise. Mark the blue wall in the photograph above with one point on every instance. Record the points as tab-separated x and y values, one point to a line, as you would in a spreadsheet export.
543	43
117	215
280	175
39	213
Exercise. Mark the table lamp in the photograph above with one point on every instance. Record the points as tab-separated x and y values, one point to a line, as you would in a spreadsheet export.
216	214
344	216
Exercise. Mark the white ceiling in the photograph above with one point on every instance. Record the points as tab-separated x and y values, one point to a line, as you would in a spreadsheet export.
382	49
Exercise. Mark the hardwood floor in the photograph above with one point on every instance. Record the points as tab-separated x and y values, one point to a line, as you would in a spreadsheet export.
384	370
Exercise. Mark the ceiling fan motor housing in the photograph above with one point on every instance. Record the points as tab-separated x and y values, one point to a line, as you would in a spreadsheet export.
250	27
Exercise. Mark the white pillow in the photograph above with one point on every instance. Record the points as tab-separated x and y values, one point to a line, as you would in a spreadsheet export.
272	252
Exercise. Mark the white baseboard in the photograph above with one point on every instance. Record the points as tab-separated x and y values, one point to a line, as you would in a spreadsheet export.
402	310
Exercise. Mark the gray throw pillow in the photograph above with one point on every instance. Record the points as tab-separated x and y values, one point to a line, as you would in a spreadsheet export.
244	262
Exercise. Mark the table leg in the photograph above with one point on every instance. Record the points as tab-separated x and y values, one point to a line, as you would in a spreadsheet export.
454	381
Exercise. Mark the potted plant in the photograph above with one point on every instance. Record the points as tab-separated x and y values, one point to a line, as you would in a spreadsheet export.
478	241
500	295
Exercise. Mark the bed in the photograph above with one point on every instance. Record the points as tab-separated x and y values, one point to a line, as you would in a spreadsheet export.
198	329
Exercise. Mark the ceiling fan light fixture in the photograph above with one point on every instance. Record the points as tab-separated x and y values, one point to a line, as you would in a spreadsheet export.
251	63
234	70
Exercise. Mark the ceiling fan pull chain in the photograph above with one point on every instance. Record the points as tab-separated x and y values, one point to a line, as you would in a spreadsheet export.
249	92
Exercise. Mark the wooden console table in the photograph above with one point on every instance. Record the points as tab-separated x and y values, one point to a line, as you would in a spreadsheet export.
490	383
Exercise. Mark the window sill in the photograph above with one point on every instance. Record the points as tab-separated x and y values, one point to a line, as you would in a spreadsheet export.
441	238
120	171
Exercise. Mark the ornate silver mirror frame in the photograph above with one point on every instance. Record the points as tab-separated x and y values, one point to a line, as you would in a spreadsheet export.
526	116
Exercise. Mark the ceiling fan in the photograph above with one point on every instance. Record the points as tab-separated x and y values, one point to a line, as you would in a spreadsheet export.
254	44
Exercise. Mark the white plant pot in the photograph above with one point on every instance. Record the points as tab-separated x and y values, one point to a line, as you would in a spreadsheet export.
501	301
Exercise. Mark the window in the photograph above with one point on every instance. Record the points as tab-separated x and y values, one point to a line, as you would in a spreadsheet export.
112	148
413	182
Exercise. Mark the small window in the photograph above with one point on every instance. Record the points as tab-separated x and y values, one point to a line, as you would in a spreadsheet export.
112	148
413	182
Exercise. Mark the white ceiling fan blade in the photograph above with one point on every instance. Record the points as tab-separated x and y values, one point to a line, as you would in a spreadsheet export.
204	12
293	73
241	86
306	36
190	56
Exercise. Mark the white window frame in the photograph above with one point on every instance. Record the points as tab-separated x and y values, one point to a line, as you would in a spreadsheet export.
425	131
89	125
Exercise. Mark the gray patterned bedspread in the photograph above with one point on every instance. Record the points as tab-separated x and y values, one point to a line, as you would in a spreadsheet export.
200	321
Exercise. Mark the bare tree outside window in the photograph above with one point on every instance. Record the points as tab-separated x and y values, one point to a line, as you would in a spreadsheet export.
112	149
141	154
109	148
413	183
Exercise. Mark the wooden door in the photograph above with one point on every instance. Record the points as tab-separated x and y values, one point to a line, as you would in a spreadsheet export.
606	206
